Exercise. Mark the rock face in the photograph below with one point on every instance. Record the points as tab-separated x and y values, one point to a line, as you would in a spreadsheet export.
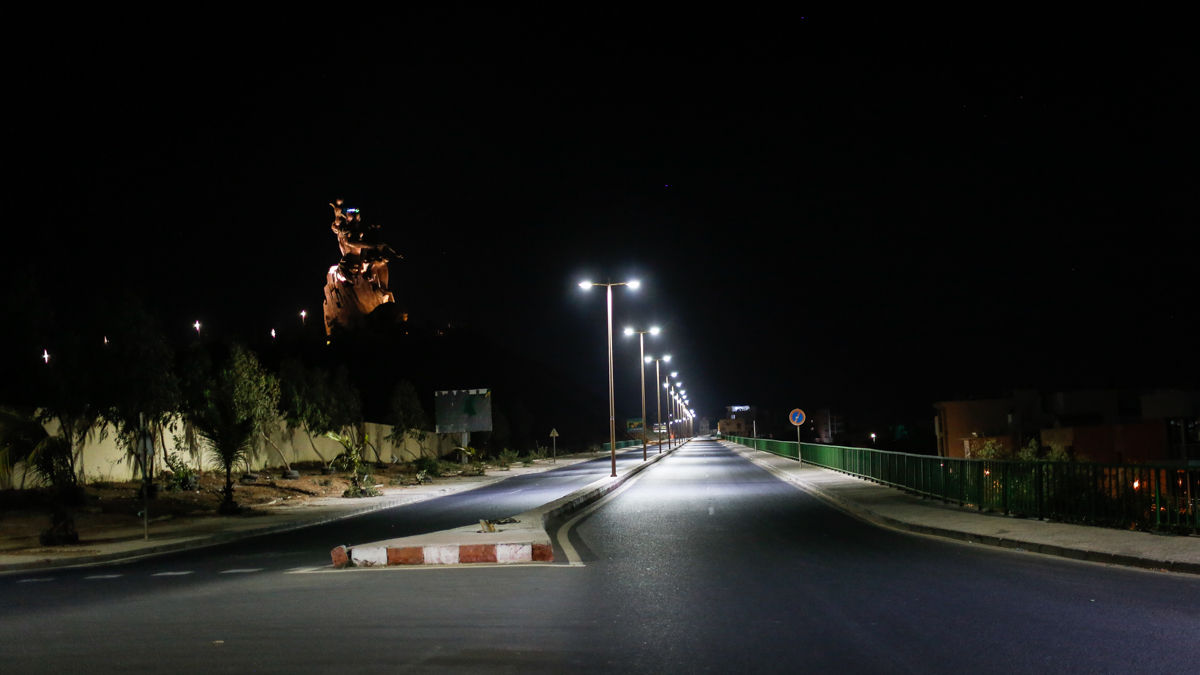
357	286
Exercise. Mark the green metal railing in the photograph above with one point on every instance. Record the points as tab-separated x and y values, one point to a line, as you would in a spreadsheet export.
1135	496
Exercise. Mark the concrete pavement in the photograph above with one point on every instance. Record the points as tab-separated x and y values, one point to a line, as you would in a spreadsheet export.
891	507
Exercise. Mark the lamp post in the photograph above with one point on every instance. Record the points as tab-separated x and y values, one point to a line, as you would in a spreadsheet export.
658	399
642	360
612	406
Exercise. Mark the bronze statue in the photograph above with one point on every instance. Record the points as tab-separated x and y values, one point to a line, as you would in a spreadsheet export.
358	284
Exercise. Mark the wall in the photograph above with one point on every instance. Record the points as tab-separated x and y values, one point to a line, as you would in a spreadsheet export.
958	420
103	459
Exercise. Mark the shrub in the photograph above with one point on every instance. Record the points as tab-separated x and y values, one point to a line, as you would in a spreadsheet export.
428	465
507	457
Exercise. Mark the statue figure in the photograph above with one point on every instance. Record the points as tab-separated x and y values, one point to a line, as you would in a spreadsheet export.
358	284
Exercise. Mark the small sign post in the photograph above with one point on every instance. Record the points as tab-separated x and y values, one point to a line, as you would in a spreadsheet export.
796	417
554	445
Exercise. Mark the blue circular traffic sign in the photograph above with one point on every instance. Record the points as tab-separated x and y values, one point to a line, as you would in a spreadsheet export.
797	417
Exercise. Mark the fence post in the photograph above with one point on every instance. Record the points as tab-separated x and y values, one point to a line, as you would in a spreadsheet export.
1039	489
1157	509
1004	487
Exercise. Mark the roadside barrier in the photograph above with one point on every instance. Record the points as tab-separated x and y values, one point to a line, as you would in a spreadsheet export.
622	444
1135	496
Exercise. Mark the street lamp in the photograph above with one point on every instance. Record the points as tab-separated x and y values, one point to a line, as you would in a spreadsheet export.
642	367
658	399
612	406
197	327
303	314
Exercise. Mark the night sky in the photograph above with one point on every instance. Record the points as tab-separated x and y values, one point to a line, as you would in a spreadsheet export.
869	213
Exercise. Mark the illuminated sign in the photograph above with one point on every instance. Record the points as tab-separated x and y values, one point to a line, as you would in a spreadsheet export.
739	408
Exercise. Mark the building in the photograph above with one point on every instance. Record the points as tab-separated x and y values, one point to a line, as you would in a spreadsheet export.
1102	425
826	425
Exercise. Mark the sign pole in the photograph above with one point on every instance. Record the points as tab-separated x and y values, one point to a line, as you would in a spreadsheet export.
554	445
796	417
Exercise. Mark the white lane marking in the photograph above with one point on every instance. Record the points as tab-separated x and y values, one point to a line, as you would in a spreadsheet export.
710	510
170	574
29	581
103	576
564	532
243	571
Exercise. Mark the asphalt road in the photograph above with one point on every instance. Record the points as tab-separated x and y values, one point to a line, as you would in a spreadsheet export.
706	563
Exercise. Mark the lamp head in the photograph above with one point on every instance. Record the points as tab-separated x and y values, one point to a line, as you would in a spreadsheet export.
648	359
654	330
633	284
585	285
667	358
629	331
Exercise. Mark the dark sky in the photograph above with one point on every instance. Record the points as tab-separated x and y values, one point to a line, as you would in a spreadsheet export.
867	212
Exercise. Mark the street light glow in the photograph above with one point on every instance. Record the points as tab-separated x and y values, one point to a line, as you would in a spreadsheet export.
667	358
629	331
196	326
585	285
634	284
648	359
654	330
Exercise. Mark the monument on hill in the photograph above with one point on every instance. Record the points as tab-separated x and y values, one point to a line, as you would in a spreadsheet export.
357	287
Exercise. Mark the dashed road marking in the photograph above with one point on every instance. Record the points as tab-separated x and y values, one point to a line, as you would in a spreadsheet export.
103	576
170	574
29	581
243	571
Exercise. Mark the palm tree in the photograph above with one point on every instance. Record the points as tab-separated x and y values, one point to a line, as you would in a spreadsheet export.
227	415
230	439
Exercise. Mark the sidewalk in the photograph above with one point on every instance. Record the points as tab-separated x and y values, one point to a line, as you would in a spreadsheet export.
890	507
186	533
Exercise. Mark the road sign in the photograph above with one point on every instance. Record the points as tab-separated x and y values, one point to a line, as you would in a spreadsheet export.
554	433
796	417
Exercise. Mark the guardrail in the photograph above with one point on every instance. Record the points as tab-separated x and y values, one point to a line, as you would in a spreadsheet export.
1136	496
621	444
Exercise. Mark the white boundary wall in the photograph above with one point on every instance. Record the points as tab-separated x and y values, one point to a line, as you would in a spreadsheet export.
105	460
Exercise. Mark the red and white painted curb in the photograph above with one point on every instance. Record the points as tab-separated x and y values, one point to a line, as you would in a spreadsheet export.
443	554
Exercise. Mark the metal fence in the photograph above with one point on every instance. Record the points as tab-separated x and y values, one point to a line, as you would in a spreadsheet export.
1131	496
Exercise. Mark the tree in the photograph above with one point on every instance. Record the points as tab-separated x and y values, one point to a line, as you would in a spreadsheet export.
23	440
306	401
140	390
407	417
229	416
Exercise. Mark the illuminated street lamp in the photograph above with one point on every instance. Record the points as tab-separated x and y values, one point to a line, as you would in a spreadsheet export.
272	333
197	327
642	367
46	356
612	405
303	313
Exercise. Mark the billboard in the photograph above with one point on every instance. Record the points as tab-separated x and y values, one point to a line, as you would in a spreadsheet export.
633	424
460	410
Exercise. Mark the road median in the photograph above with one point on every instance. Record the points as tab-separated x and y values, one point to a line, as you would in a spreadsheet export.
524	540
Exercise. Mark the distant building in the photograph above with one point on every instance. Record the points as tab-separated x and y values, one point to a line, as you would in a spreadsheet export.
826	425
1101	425
734	427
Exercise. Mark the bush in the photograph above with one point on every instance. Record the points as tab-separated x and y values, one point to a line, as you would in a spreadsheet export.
507	457
360	491
428	465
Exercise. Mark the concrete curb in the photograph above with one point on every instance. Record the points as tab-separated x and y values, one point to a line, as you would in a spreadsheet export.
528	542
865	514
226	537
